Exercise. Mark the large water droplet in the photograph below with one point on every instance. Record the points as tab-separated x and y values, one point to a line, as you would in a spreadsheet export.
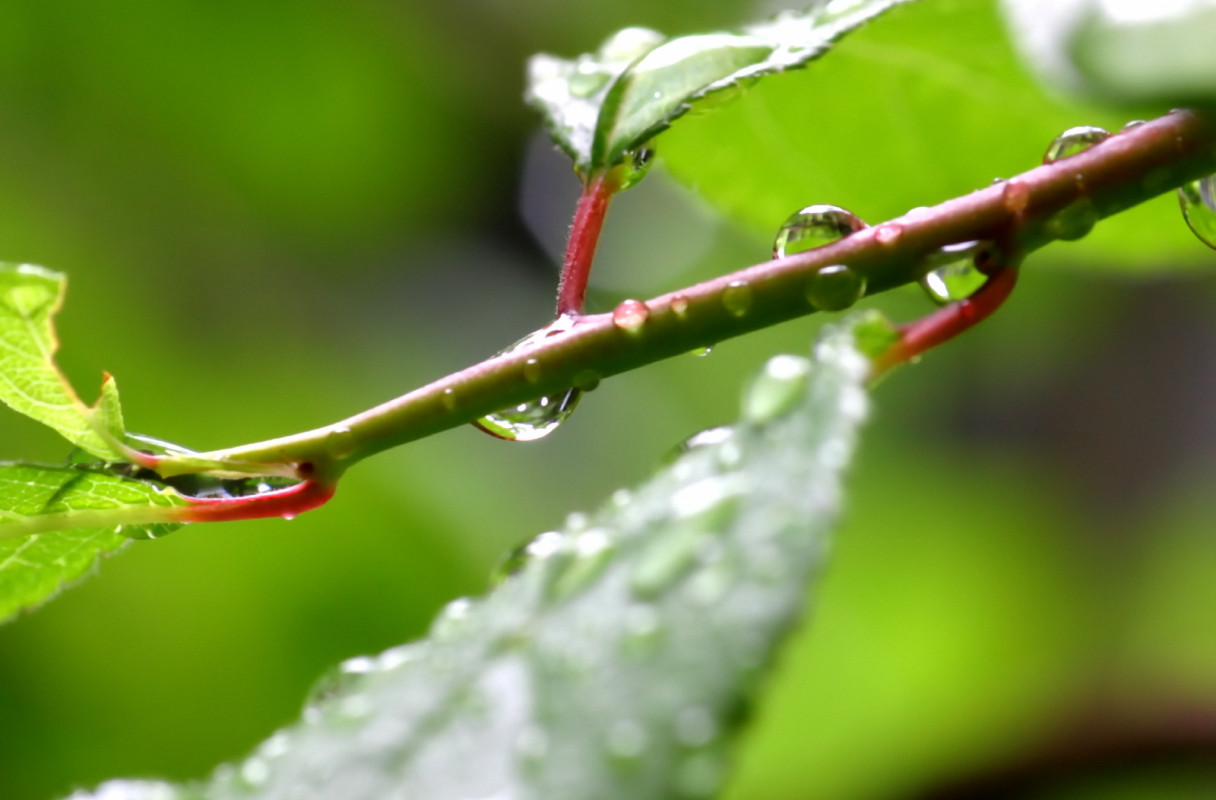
637	164
1073	141
1198	200
586	380
630	316
737	298
1073	221
777	389
835	288
814	226
537	418
956	277
532	420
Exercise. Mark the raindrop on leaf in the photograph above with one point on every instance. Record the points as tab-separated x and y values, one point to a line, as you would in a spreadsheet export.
1198	201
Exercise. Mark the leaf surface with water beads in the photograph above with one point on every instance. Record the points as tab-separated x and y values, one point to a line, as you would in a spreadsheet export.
57	521
601	106
30	382
615	658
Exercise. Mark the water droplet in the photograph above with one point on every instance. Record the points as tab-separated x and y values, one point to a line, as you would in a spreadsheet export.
340	442
679	305
814	226
1073	141
288	515
533	420
737	297
541	547
835	288
532	370
630	316
1198	201
665	560
626	741
592	551
777	389
255	771
637	164
537	418
697	441
587	380
455	618
1016	196
955	276
888	233
1135	123
701	352
695	726
587	78
1073	221
448	398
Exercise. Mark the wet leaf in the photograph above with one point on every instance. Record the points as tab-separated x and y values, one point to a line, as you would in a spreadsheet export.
620	656
56	522
602	105
30	381
1158	53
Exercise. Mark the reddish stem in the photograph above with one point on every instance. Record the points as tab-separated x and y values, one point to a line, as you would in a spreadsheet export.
948	322
580	248
286	503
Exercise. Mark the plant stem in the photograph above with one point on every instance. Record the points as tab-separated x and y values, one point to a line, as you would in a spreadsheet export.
580	247
946	323
1058	201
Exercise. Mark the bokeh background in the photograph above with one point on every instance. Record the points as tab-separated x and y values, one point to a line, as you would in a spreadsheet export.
276	214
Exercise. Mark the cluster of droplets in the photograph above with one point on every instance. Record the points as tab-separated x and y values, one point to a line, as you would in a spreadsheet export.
537	418
834	287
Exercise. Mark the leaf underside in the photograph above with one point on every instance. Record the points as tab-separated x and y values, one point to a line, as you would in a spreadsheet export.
620	656
602	105
56	522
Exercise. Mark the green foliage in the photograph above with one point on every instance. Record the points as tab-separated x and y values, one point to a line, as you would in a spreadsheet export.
603	105
30	382
930	104
618	657
56	521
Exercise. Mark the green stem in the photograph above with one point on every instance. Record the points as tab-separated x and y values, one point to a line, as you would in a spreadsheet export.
1051	202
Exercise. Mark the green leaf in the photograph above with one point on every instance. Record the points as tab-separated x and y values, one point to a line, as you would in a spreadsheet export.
603	105
56	522
619	656
1158	53
929	105
30	382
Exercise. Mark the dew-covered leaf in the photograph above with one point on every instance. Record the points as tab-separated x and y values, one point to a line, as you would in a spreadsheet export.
602	105
930	104
1157	53
56	521
30	382
617	657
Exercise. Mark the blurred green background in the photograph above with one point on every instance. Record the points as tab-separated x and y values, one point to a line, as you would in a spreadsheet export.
276	214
